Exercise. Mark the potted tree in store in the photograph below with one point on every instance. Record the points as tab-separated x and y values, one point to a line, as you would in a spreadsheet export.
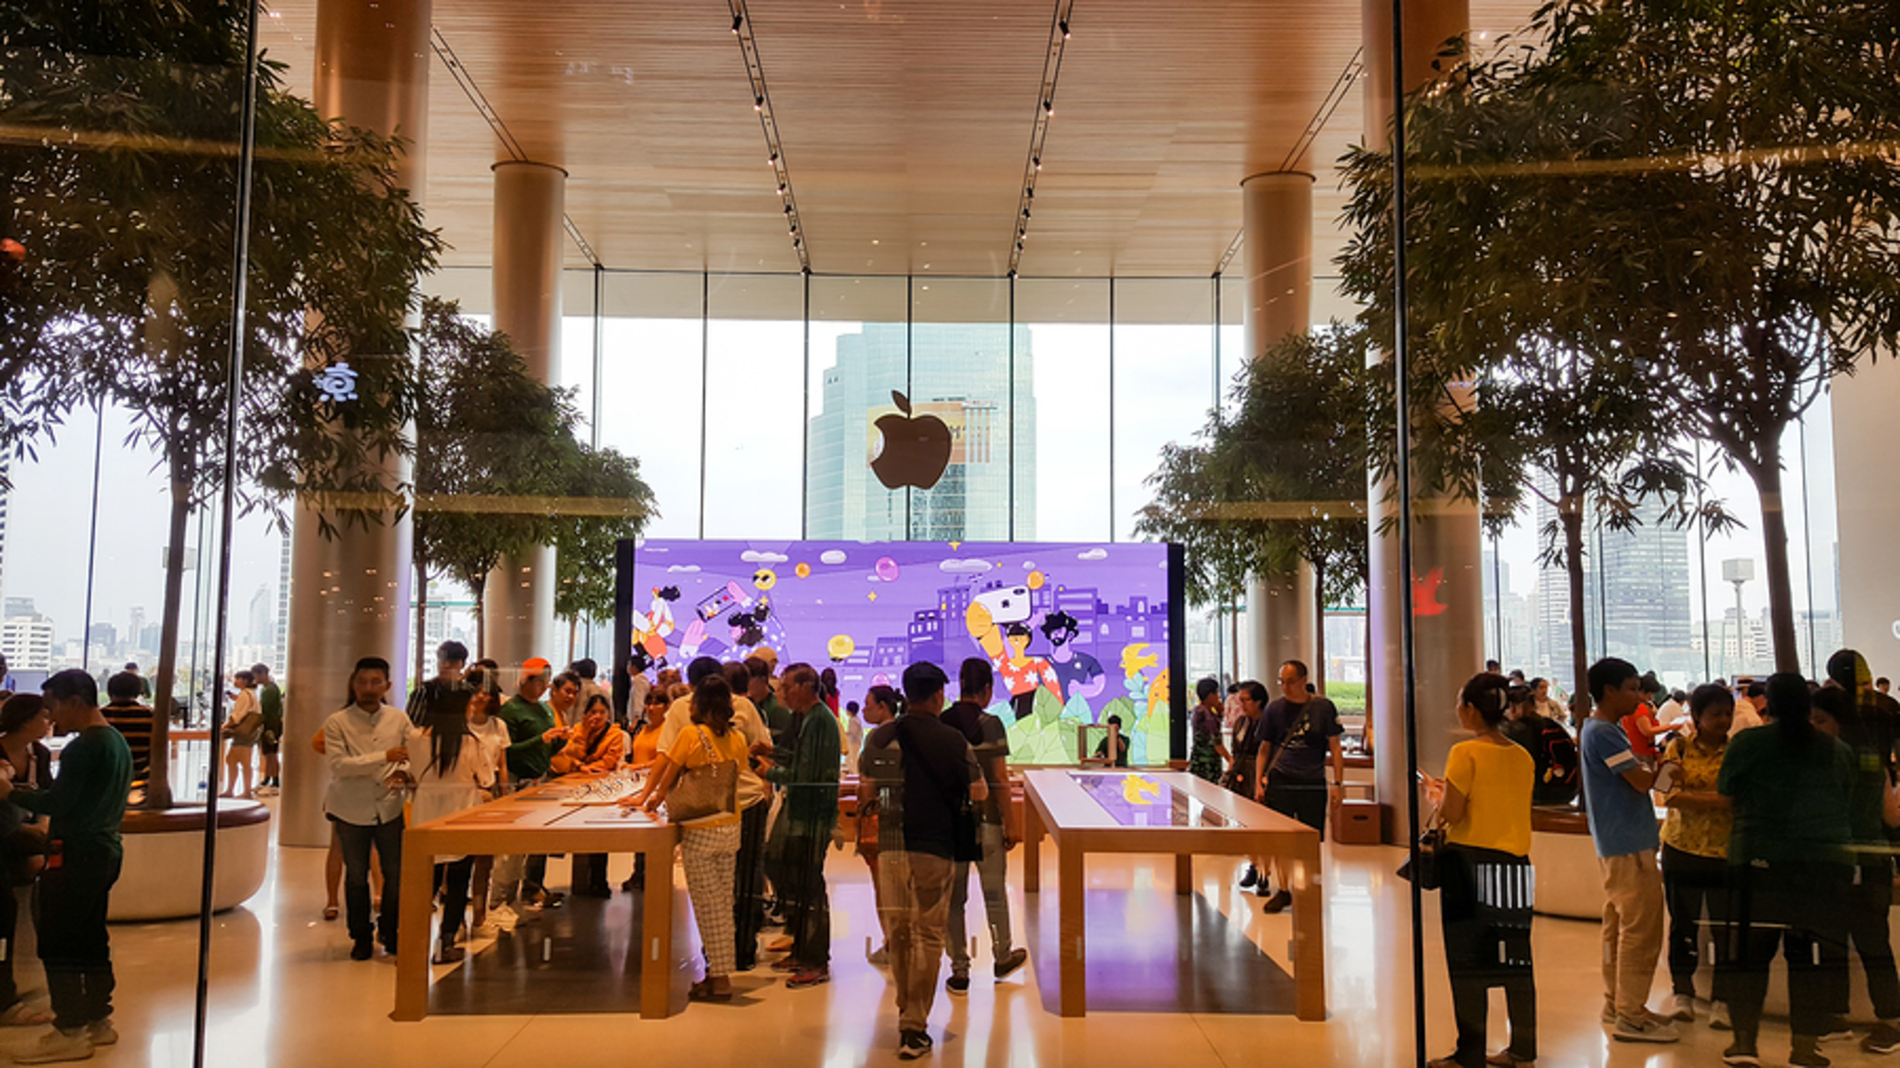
122	215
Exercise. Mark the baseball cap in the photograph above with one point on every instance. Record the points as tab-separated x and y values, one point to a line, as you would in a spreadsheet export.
535	666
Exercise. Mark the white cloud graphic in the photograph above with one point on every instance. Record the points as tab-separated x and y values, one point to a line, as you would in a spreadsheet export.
683	569
753	556
1029	565
873	578
964	567
831	556
1092	554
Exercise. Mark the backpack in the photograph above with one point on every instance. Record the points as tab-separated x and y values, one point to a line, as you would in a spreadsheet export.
1559	767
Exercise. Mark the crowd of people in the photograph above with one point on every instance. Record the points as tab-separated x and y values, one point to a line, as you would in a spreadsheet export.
1779	799
746	758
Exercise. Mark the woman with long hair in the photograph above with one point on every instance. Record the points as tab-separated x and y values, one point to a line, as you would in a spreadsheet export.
1789	866
1484	802
487	730
454	773
709	846
1695	850
24	725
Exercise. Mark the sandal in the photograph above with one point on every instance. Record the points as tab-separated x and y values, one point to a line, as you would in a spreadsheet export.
329	912
20	1014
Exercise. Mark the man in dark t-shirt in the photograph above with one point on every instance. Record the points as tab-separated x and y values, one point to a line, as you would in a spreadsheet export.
1299	736
989	738
925	771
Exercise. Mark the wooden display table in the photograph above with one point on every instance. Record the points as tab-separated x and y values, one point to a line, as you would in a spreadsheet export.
1089	811
536	821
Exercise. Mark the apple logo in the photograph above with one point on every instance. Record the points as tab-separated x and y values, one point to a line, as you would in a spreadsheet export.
911	451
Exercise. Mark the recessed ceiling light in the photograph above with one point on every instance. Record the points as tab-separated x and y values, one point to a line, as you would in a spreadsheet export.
874	241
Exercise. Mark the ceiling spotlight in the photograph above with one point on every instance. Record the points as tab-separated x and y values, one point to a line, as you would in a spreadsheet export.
772	162
1030	192
781	189
1048	107
788	209
758	103
1025	213
1064	24
737	21
1037	160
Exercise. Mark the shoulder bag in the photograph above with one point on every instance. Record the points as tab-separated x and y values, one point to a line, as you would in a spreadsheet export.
706	791
1431	857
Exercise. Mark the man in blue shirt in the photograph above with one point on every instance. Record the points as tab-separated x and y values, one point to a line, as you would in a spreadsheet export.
1616	789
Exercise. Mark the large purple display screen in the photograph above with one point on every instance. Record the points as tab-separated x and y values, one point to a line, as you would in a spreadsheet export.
1076	632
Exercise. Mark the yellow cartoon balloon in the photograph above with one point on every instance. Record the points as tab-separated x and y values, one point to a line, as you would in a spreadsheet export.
765	578
840	647
802	571
1036	579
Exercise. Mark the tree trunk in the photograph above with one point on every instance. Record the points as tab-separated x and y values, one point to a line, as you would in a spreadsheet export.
1570	512
573	624
1319	627
1233	619
422	623
1774	538
158	788
480	586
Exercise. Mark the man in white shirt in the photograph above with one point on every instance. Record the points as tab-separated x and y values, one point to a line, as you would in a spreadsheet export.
1751	697
364	743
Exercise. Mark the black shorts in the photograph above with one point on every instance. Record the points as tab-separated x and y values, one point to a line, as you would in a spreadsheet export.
1303	801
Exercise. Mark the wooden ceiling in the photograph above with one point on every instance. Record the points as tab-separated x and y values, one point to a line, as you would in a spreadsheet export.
905	125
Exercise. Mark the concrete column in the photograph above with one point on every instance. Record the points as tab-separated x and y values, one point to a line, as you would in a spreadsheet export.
1277	256
1867	509
349	593
1447	545
530	202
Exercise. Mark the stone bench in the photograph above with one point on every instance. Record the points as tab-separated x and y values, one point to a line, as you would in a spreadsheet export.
164	861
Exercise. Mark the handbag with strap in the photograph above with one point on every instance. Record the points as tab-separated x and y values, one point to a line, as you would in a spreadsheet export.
1431	855
709	790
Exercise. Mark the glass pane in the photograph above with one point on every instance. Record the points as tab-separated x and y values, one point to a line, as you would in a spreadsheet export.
961	375
859	355
1164	375
652	370
755	370
1060	469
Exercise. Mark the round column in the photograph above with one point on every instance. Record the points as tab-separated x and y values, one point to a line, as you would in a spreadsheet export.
1277	256
530	204
1447	545
349	593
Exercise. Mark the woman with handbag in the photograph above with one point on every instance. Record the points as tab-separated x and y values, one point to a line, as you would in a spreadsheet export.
24	726
698	779
1484	877
245	726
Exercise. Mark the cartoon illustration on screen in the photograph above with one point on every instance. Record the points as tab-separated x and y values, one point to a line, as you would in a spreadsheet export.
1074	632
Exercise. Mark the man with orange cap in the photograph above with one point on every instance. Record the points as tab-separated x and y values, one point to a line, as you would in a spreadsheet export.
529	754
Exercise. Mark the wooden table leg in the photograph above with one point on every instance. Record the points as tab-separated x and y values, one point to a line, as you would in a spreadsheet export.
1072	947
1184	874
656	935
1032	848
1309	934
412	931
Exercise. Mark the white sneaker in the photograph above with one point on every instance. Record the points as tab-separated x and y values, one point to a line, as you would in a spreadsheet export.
1647	1029
55	1046
1681	1007
503	918
102	1033
1718	1016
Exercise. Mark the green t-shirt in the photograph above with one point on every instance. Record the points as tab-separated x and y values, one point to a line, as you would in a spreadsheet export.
270	701
87	799
1791	805
528	755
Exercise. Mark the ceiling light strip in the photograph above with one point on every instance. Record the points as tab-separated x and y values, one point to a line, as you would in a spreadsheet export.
1039	133
1335	96
446	53
768	125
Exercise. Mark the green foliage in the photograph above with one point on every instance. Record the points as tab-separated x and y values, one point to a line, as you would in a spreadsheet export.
1281	481
499	470
1679	212
608	501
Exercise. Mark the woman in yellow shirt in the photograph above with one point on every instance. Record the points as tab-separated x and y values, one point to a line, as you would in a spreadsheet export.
644	751
1484	802
1695	849
709	847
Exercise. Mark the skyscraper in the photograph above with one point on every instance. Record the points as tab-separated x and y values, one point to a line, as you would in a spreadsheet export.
3	525
1646	594
957	372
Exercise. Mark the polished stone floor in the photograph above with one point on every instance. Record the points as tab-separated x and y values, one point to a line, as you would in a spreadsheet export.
1175	983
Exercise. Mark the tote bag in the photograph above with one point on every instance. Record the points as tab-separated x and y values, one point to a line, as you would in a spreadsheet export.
706	791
